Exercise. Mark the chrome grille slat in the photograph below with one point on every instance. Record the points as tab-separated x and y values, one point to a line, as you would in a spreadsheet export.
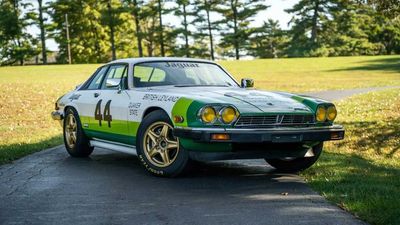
275	120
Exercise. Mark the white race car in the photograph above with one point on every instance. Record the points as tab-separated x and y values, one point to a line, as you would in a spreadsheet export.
170	111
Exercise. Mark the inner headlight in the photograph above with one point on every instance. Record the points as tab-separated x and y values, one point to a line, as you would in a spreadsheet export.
331	113
321	114
228	115
208	114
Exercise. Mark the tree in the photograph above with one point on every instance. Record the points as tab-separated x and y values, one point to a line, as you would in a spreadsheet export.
161	28
237	16
206	27
389	8
309	21
115	16
36	15
88	36
268	41
386	25
183	11
111	24
135	6
351	30
15	44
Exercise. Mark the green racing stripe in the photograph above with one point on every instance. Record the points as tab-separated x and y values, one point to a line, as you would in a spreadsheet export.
119	130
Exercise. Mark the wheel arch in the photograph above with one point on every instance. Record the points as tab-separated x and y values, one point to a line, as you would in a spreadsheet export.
152	109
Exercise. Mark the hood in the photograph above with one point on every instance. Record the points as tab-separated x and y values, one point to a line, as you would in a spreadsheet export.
245	100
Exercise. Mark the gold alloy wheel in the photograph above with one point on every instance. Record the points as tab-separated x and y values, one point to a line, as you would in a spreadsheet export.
70	130
160	146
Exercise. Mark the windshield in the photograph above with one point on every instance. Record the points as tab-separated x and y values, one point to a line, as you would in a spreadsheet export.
180	74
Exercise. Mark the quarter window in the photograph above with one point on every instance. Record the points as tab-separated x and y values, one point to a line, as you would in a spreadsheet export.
145	76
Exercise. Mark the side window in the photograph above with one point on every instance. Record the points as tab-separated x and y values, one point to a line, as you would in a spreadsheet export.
116	73
96	81
145	76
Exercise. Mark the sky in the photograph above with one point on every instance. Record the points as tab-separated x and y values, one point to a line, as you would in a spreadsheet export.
275	12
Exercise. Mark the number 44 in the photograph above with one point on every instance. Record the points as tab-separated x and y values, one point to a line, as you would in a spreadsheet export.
106	114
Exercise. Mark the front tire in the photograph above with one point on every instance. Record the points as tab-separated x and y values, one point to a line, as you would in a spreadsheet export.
158	149
297	164
75	140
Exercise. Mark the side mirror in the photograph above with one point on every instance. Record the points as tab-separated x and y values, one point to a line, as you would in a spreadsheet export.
113	83
247	83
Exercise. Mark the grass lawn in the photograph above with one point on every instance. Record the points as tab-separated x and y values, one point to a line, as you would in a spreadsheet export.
361	173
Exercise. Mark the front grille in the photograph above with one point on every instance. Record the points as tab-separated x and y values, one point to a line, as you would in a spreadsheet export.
275	120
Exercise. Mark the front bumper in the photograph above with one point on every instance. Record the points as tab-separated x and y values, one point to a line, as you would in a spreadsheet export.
57	115
262	135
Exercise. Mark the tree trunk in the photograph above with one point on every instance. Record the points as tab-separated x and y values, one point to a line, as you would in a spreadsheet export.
42	32
209	30
137	24
111	24
186	31
235	28
314	31
161	29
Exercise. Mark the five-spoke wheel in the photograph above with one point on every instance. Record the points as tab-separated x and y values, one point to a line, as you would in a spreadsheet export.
158	149
160	145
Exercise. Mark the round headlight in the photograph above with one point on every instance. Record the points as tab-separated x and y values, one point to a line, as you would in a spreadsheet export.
321	114
208	114
228	115
331	113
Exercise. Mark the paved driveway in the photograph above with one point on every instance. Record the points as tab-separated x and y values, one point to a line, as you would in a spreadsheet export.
49	187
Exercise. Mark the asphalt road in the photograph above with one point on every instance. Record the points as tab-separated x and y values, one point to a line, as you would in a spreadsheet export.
49	187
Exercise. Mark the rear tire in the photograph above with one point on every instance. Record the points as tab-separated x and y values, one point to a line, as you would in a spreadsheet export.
158	149
75	140
297	164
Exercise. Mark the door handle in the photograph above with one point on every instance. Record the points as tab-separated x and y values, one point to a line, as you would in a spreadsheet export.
96	95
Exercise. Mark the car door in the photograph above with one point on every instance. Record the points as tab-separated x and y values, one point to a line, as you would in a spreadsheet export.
110	112
85	98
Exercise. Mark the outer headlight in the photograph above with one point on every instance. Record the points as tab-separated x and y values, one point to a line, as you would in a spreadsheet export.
228	115
321	113
208	114
331	113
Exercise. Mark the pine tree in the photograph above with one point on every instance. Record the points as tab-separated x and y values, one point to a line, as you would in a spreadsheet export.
161	27
350	31
205	25
183	11
237	16
135	7
309	20
268	41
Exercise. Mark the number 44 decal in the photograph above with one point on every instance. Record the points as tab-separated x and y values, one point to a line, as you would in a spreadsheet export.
106	114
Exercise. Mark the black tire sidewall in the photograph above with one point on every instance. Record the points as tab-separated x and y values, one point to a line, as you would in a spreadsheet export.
82	146
180	163
298	164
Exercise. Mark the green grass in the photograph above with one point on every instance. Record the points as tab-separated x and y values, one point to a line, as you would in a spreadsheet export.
361	173
316	74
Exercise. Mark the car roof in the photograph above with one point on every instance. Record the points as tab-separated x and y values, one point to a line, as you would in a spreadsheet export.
157	59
